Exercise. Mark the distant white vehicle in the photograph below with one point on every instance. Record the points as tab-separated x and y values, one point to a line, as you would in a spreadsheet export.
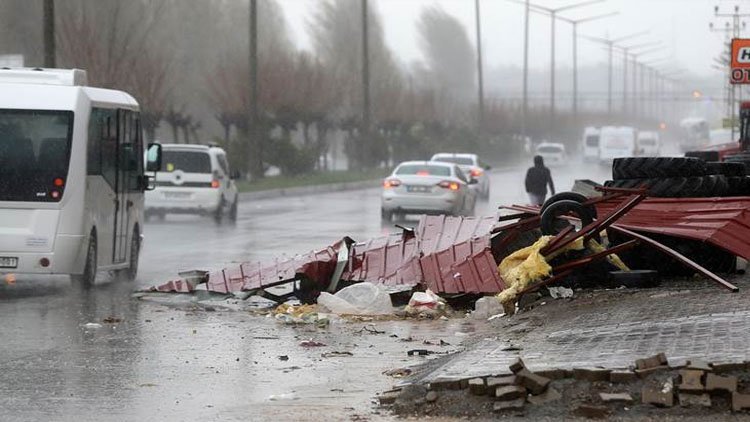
553	153
648	143
616	142
472	167
590	144
195	179
71	176
427	187
694	133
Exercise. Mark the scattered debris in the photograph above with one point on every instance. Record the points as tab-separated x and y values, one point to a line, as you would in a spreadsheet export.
425	303
398	372
420	352
560	292
112	320
311	343
358	299
336	354
92	325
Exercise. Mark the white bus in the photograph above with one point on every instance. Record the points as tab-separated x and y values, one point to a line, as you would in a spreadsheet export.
71	176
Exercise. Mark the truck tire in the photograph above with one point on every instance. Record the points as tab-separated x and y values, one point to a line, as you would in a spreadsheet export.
730	169
568	196
657	167
552	224
679	187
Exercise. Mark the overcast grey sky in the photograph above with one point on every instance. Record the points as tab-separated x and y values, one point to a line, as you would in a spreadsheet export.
680	25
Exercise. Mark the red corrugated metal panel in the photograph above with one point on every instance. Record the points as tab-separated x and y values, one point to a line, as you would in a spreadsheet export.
723	222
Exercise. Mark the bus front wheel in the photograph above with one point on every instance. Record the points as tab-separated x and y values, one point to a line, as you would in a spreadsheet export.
88	278
131	271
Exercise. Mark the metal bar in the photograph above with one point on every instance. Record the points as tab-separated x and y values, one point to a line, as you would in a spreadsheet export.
678	256
513	217
597	256
522	225
557	239
543	283
597	226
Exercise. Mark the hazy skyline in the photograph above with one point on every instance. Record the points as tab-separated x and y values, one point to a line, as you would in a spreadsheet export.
681	27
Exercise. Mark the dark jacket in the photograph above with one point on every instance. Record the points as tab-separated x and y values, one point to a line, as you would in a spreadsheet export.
538	177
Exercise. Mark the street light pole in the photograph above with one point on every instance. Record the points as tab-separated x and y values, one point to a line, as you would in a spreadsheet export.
480	119
365	82
49	33
525	107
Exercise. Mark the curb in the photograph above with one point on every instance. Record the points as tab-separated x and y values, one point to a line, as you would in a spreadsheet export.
309	190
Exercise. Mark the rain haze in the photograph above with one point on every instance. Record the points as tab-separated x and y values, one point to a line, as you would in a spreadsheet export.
369	210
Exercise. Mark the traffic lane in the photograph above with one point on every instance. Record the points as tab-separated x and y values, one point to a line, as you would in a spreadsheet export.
184	363
270	228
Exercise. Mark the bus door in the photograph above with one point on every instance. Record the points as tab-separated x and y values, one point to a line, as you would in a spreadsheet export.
126	172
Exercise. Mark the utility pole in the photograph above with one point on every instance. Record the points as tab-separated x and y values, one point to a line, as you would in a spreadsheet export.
737	26
575	23
480	119
610	44
525	107
49	34
365	81
253	123
552	12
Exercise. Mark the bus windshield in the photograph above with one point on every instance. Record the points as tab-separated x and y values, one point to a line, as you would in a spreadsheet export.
34	154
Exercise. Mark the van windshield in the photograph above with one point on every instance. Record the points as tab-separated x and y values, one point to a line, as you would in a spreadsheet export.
34	154
187	161
592	141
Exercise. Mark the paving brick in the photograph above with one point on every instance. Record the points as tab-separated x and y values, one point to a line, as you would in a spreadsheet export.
554	374
695	400
517	366
502	406
650	362
699	364
510	392
645	373
591	374
548	396
535	384
662	396
591	412
691	381
725	367
446	384
622	377
616	397
720	383
740	401
389	397
431	396
477	386
494	382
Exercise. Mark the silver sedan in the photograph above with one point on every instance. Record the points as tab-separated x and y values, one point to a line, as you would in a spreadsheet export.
423	187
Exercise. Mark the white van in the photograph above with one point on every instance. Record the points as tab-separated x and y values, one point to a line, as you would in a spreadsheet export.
72	172
615	142
649	144
590	144
194	179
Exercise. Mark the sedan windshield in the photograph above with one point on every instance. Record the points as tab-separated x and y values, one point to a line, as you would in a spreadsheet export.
34	154
549	149
423	170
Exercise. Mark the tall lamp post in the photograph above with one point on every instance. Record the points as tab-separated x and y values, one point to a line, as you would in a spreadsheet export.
575	23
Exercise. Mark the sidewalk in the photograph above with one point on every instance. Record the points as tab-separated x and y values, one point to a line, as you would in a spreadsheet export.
613	328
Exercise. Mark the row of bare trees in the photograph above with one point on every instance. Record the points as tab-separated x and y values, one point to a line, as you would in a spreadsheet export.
186	61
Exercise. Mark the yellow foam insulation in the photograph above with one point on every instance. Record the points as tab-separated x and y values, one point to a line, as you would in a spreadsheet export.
527	266
613	259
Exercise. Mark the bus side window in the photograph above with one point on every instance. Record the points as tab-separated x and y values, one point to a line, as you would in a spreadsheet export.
109	148
94	150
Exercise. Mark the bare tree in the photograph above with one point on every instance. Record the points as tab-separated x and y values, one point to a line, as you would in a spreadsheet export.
116	43
449	57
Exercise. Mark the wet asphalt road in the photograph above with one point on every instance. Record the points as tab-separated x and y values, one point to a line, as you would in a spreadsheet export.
179	363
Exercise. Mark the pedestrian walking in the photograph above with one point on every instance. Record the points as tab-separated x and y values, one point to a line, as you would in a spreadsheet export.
537	179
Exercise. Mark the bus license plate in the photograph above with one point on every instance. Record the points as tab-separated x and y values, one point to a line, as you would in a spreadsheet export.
8	262
421	189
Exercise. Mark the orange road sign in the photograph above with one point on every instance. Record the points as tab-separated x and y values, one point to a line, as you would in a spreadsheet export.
740	61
